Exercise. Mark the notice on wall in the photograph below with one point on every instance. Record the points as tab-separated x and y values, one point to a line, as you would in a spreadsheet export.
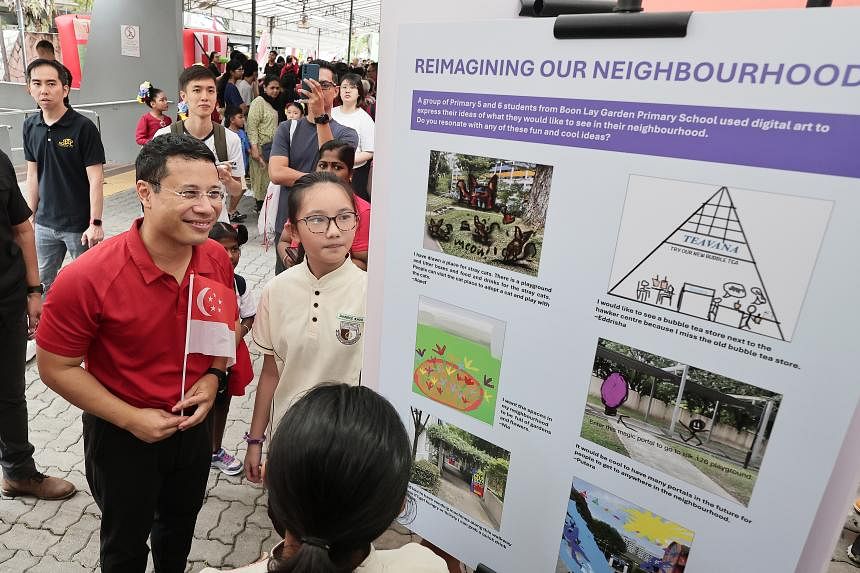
130	40
620	286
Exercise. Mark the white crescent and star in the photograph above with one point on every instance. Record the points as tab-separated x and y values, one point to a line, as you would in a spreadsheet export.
200	306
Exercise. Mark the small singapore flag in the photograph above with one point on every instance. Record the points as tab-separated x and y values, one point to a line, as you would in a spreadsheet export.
211	327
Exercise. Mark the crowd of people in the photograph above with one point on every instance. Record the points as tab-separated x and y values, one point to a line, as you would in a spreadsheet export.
112	328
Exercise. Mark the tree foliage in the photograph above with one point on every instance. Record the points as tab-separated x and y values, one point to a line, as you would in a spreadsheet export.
607	538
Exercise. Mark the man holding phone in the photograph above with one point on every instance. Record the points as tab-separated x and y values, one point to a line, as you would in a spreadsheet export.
197	88
294	157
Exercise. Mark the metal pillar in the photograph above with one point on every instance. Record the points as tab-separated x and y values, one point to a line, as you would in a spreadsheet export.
349	43
20	10
713	421
676	413
759	438
253	53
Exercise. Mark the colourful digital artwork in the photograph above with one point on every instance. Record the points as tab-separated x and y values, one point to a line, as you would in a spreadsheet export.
457	372
605	533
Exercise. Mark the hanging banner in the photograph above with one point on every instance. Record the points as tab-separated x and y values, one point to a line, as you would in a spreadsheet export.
619	289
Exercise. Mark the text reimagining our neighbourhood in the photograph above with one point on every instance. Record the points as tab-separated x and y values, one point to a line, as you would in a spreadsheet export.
751	73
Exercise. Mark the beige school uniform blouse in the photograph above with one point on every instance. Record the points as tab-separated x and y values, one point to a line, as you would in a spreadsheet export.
314	328
411	558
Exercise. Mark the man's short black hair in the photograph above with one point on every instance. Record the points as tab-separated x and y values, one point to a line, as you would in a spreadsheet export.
324	65
250	68
151	163
65	79
192	73
45	45
273	52
230	113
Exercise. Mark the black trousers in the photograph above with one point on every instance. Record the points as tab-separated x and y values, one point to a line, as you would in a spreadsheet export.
146	490
16	452
360	177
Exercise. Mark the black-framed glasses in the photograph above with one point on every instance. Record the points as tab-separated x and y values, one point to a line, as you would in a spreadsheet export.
318	224
192	196
327	85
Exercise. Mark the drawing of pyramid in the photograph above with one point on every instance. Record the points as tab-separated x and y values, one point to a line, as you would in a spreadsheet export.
705	268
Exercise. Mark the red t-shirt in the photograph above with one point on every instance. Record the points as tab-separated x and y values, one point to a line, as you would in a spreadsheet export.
127	318
147	126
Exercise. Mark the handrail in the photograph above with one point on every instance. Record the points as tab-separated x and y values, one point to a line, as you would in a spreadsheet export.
98	120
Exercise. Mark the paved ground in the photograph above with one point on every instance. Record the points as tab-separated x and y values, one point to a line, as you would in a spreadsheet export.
62	537
668	462
457	493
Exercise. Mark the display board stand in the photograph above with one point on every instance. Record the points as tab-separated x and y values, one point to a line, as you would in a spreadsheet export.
616	269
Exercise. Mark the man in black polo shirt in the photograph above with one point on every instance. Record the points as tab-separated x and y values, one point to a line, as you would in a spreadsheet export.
65	171
20	308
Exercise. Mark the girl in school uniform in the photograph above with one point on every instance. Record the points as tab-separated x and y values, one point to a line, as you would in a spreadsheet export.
337	476
310	318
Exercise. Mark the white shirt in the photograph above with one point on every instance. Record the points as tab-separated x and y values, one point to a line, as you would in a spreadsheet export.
234	156
245	91
313	327
362	123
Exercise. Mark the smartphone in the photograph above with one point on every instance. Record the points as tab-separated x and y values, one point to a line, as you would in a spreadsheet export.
310	71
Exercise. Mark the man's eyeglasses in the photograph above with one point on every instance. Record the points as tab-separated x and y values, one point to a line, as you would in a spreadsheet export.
326	85
318	224
191	196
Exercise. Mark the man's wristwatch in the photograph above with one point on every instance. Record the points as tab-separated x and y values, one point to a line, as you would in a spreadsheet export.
322	119
96	223
221	375
37	289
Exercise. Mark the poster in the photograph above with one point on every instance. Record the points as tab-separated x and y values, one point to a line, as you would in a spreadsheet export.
130	40
618	289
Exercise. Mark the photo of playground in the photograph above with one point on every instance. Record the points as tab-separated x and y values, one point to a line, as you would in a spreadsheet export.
461	469
705	429
487	210
604	534
458	358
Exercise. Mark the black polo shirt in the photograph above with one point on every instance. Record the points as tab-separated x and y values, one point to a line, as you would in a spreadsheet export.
63	152
13	211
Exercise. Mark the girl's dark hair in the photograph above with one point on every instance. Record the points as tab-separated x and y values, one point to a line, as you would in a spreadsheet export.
151	95
337	475
232	66
355	80
345	151
221	230
230	113
269	79
297	194
297	104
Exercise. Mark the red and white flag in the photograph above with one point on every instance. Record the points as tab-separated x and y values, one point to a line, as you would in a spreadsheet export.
211	326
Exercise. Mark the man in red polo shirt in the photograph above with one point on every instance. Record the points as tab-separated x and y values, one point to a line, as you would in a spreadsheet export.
121	309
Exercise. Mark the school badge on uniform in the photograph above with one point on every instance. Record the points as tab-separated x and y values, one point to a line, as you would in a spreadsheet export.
351	326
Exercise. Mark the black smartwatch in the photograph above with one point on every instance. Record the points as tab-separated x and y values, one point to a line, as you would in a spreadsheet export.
322	119
37	289
221	375
97	223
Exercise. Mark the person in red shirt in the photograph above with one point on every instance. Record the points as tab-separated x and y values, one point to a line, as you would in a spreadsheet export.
155	119
336	157
121	310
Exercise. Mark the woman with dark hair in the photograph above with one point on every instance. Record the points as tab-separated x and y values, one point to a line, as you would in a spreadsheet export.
226	90
213	66
264	115
337	476
352	115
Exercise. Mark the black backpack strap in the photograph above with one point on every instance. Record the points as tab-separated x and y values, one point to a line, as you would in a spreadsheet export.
220	134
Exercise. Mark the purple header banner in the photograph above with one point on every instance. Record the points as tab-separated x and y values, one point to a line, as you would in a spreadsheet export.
794	141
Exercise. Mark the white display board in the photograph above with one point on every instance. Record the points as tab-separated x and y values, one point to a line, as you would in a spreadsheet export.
613	284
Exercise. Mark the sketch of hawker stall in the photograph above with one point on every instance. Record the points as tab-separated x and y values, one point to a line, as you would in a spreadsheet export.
707	267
